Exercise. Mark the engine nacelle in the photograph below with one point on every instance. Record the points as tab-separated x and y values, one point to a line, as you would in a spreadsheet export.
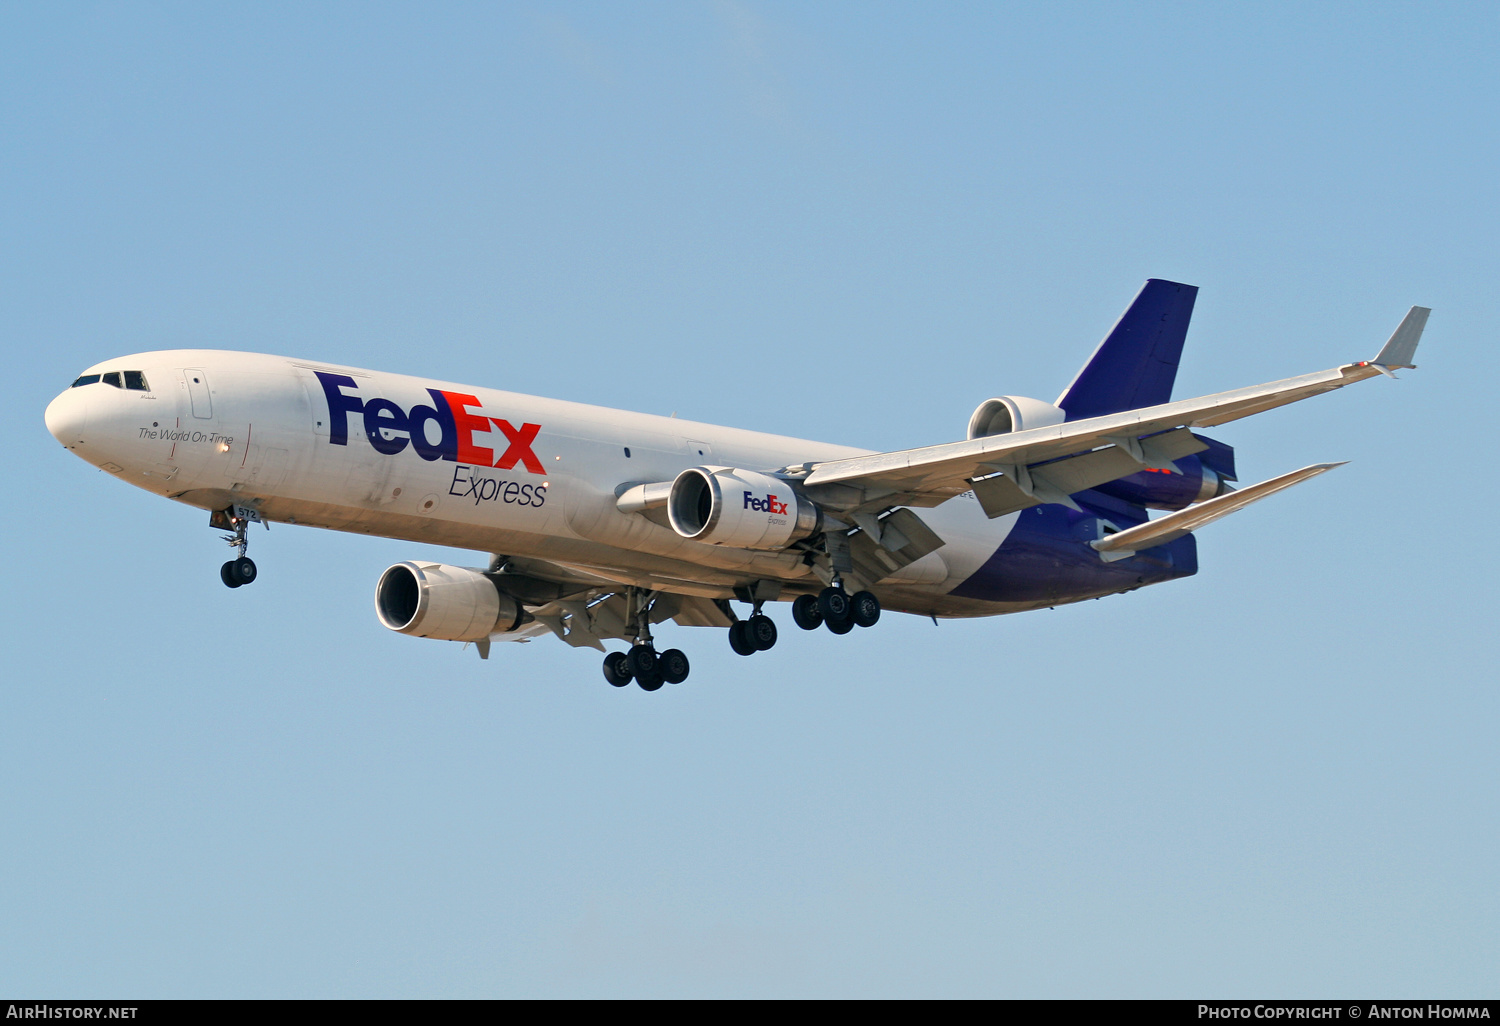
739	508
1008	413
455	603
1162	489
1202	476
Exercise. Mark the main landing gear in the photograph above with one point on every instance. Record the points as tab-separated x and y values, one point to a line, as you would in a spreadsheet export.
643	664
757	634
241	570
833	607
837	610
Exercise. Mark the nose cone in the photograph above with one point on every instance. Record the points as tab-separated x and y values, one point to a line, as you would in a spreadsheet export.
68	417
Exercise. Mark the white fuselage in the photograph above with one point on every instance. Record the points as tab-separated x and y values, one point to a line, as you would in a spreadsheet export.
532	477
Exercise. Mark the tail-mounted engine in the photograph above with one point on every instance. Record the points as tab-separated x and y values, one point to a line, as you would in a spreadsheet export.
431	600
1009	413
739	508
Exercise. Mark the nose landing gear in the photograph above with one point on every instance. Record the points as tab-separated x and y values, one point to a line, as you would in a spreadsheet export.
237	519
237	572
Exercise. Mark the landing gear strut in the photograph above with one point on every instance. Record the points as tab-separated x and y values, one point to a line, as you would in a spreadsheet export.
237	519
643	664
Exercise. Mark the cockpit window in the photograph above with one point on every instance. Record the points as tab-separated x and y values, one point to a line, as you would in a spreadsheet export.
136	381
87	379
112	378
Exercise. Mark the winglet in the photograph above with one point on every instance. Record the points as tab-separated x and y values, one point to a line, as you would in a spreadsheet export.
1403	343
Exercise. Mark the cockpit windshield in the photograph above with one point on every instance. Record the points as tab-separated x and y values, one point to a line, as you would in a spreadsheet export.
135	381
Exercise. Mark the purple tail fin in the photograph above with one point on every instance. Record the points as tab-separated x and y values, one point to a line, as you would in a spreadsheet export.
1136	363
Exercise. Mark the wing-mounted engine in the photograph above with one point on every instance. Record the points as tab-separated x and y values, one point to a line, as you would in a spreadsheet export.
455	603
739	508
1007	413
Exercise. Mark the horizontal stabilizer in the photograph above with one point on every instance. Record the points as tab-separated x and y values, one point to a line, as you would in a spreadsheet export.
1175	525
1403	344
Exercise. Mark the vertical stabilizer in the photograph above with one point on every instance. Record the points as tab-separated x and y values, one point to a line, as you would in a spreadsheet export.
1136	364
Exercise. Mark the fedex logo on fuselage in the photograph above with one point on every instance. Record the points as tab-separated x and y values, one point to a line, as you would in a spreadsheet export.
449	411
767	505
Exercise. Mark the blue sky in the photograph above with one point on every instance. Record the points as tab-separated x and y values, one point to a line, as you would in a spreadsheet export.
851	222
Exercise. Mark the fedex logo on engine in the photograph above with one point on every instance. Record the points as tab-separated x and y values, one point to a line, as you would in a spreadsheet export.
766	505
391	429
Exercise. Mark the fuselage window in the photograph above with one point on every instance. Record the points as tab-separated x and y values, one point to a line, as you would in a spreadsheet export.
87	379
136	381
627	452
112	378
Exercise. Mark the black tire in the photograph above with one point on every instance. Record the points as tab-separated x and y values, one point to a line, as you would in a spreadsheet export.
805	613
642	662
674	666
839	626
226	574
651	682
244	570
833	603
615	670
739	640
761	630
864	609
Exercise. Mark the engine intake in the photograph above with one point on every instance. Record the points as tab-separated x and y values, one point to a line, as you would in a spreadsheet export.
739	508
1007	413
455	603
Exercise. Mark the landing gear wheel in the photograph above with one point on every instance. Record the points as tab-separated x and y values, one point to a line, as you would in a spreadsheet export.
244	569
805	613
864	609
673	665
739	638
650	682
833	603
615	670
226	574
761	631
642	662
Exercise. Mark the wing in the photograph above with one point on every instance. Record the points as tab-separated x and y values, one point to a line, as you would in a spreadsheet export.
1024	468
585	609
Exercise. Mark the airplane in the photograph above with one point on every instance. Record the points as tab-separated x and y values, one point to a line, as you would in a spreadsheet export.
602	524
